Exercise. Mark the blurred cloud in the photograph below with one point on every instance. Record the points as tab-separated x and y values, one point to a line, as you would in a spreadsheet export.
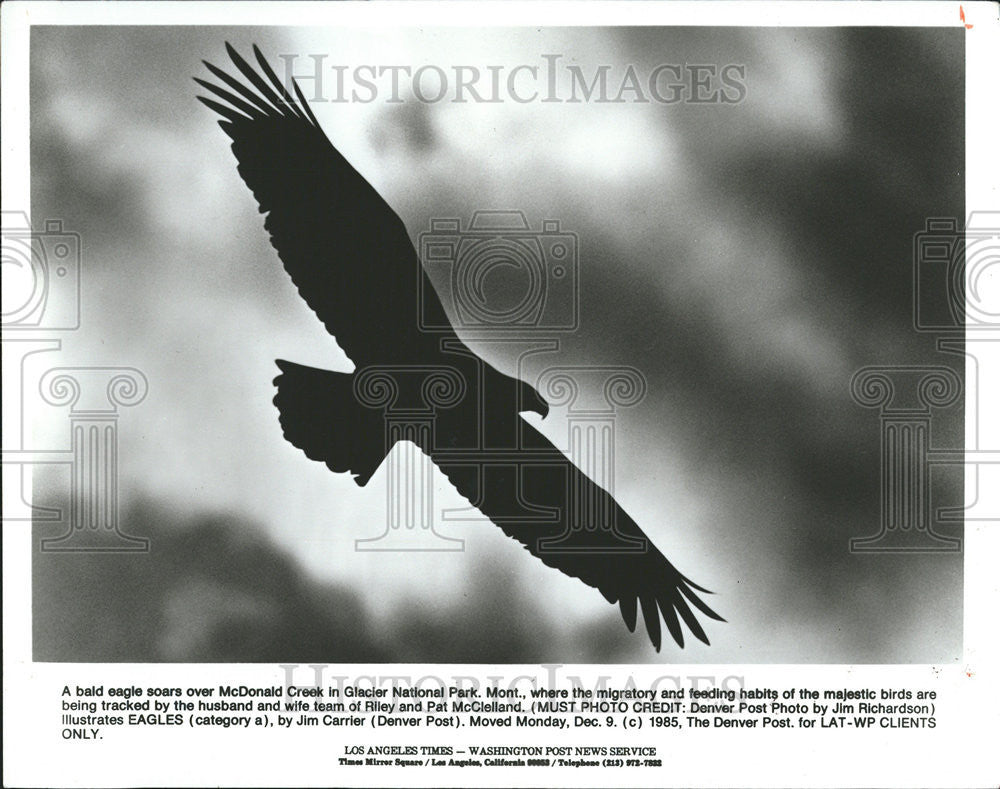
214	588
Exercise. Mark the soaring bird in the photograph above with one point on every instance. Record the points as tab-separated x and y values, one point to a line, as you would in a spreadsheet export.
350	257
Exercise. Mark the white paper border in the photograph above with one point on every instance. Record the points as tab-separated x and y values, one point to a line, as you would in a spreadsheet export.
972	690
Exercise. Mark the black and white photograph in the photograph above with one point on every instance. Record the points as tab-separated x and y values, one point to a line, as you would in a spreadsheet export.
383	342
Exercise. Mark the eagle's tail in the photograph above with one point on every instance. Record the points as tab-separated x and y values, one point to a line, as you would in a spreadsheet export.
321	415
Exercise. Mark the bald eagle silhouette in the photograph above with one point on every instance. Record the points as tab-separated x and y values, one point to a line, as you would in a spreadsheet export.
350	257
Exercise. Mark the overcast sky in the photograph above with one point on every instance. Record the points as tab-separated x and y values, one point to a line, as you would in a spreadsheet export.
746	258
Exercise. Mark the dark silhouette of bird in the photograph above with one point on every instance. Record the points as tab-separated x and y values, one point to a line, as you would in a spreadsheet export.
350	257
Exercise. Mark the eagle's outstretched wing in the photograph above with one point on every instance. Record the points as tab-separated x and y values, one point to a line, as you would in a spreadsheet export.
346	250
572	524
352	261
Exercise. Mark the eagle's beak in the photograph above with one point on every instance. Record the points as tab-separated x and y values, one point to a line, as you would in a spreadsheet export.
539	406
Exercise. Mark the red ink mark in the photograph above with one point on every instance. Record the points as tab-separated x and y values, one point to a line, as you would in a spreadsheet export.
961	14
